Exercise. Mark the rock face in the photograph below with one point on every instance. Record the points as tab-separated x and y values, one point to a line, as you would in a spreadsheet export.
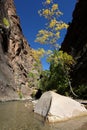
75	42
56	107
16	59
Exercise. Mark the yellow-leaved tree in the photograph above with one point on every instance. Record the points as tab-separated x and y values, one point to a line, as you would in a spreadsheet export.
51	33
57	77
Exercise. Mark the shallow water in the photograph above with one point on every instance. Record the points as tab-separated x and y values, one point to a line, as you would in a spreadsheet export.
20	116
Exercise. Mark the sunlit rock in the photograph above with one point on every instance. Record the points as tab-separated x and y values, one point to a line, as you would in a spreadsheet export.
16	59
55	107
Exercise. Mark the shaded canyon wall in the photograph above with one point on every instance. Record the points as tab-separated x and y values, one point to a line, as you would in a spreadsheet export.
75	43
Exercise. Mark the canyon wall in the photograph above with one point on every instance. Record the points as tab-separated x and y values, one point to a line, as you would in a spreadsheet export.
16	59
75	43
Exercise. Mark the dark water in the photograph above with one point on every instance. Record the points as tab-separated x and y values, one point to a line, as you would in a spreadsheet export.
16	116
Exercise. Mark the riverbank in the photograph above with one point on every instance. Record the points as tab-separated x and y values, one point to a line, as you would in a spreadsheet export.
7	99
84	102
29	98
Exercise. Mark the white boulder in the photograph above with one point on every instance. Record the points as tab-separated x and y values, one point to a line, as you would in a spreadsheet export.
56	107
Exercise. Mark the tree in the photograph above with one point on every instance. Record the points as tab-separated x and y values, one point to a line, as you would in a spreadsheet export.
58	75
57	78
51	33
37	54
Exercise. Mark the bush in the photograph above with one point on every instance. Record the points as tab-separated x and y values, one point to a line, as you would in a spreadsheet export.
57	78
82	91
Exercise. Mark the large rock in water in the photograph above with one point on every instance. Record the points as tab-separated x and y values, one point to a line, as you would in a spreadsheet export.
56	107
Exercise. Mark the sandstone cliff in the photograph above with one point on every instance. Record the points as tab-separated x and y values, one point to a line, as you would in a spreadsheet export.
15	54
75	43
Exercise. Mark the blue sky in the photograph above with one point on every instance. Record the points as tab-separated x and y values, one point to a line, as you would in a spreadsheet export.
31	22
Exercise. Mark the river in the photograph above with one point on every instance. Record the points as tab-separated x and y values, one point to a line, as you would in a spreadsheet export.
19	116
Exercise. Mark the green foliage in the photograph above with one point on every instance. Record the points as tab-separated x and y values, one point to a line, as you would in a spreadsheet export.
34	93
81	91
31	75
20	94
32	79
57	78
36	64
6	22
44	81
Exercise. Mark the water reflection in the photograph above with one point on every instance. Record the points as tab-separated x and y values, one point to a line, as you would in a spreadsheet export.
16	116
75	124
